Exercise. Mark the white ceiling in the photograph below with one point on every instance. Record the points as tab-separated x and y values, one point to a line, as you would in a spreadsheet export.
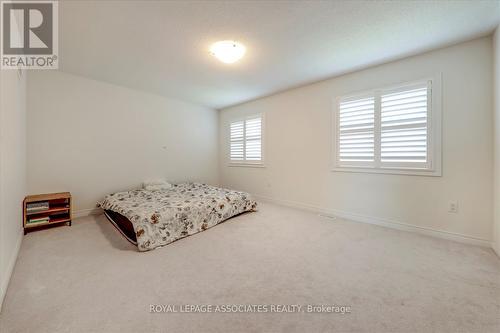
162	46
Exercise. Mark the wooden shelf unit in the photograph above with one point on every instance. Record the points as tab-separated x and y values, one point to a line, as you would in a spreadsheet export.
59	210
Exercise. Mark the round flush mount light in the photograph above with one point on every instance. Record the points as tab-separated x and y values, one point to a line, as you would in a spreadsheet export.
228	51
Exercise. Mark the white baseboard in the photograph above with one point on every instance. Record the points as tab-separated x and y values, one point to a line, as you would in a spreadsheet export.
10	269
496	247
381	222
87	212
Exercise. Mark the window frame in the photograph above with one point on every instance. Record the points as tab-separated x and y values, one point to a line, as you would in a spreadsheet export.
434	132
244	162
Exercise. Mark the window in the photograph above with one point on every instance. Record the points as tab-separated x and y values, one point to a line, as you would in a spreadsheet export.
245	138
392	130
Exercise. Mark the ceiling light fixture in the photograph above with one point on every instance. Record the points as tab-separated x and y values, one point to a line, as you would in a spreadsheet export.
228	51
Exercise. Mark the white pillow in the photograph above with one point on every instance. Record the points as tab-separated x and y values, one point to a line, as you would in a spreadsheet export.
155	185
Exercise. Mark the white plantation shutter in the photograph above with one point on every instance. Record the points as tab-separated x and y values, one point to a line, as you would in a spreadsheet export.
356	130
246	140
388	129
253	139
237	141
404	126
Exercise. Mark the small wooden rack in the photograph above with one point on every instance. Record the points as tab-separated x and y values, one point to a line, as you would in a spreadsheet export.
59	210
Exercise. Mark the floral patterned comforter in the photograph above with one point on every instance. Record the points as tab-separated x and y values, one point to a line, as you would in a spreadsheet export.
163	216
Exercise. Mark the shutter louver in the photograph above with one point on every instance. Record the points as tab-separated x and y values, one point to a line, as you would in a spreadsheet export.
404	126
356	130
237	141
253	139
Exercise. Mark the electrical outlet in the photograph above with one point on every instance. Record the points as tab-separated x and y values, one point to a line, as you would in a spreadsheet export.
453	206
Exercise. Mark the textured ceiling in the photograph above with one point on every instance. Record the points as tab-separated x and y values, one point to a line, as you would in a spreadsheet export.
162	46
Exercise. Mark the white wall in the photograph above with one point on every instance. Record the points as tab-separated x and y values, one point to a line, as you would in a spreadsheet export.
93	138
496	94
12	170
298	133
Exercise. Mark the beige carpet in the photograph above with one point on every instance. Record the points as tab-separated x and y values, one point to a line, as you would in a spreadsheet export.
87	278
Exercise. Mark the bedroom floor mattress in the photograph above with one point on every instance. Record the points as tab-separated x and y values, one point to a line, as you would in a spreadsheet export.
159	217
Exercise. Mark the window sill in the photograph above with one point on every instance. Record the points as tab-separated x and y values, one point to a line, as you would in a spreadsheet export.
390	171
247	165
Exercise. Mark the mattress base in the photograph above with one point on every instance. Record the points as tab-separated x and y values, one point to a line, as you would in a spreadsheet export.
122	224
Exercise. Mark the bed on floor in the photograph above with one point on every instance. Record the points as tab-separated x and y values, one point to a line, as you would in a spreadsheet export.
153	218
